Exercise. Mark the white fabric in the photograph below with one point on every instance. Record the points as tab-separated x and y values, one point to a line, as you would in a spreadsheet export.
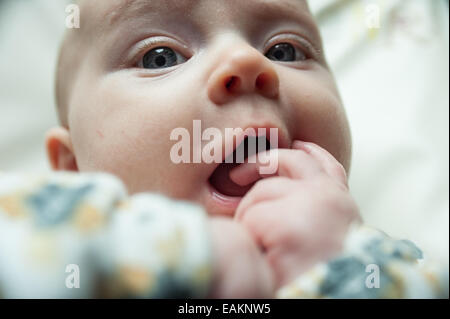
394	82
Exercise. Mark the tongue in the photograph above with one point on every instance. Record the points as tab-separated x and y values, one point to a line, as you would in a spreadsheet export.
220	179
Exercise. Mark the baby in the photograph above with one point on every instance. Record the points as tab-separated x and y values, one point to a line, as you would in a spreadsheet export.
149	67
137	70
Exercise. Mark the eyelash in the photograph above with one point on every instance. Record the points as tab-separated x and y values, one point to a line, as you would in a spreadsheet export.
296	47
298	42
149	44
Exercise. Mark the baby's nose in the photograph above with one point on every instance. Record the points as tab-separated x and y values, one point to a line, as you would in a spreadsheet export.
243	70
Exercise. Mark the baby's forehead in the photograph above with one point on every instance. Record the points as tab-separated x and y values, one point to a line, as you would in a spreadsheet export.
101	14
117	6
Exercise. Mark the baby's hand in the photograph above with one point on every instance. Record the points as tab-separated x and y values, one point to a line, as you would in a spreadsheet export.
239	269
301	215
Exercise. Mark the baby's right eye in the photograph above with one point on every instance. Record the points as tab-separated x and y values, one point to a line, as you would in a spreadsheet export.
161	58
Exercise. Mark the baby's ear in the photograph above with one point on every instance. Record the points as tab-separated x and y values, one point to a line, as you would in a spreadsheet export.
60	150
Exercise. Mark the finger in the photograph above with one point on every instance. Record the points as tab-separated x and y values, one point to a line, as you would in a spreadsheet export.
329	163
264	190
294	164
262	222
250	171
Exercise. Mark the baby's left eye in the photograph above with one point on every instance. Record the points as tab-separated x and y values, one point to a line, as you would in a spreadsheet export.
160	58
285	52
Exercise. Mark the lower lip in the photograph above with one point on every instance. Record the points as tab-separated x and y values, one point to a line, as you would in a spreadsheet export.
224	201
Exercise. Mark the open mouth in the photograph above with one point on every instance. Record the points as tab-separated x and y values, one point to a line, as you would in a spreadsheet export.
220	178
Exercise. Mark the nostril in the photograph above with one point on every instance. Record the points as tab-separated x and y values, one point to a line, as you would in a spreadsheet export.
232	83
267	84
261	81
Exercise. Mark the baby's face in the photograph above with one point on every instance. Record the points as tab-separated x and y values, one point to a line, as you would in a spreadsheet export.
148	67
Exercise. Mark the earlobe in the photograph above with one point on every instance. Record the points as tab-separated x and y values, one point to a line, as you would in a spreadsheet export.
60	150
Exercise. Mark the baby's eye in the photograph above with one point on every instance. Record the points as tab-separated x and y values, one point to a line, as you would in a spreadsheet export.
162	57
285	52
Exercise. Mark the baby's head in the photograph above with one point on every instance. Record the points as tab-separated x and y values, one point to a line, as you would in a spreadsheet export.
137	70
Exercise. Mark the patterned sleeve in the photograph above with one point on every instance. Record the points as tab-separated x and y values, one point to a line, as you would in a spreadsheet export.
80	236
372	265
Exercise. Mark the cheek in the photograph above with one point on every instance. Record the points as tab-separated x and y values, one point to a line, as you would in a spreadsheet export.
125	130
317	114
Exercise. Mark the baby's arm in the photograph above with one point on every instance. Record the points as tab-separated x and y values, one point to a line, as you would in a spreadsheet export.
72	235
